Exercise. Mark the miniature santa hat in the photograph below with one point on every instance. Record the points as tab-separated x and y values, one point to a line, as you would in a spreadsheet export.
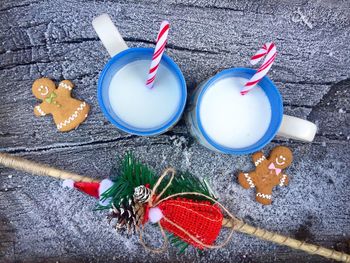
91	188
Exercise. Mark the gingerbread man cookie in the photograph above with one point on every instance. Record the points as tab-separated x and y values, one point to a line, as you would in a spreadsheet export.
268	173
67	112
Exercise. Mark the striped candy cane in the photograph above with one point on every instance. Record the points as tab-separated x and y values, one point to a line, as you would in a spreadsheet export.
158	52
269	51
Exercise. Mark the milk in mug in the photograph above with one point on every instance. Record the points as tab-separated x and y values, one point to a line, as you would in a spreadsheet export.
233	120
141	107
222	119
122	93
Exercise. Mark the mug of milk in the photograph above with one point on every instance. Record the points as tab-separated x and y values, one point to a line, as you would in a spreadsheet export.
122	93
225	121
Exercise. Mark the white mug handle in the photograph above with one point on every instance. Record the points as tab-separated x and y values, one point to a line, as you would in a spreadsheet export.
296	128
109	34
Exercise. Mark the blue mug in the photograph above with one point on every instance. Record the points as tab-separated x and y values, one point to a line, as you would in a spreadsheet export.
123	56
282	125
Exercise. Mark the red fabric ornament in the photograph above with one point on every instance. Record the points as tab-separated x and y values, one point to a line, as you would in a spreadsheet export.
201	219
88	188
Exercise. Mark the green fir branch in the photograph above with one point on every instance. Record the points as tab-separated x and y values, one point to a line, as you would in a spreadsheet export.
132	173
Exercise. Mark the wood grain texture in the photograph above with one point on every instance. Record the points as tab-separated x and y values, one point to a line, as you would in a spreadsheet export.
42	222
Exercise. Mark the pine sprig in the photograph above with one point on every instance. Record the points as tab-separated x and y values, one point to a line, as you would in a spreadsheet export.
177	242
186	182
130	174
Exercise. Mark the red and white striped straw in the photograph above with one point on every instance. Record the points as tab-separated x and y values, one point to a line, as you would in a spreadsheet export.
269	52
158	52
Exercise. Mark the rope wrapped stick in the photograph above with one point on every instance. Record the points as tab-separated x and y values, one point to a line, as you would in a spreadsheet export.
242	227
40	169
237	225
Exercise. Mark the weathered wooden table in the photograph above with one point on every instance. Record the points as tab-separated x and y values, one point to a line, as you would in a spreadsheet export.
41	222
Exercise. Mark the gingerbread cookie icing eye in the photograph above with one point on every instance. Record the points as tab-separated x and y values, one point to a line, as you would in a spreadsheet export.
44	89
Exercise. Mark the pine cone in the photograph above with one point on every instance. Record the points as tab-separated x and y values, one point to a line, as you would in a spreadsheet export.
139	213
142	194
127	216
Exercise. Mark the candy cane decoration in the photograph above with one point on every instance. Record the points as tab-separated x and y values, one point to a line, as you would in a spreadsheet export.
269	51
158	52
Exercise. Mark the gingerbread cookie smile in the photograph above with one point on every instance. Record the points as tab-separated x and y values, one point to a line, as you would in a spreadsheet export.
41	88
281	158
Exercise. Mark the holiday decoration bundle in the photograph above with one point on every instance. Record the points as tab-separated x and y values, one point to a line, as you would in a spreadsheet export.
182	205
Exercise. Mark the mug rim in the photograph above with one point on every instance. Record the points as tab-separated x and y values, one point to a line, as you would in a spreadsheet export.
172	66
276	116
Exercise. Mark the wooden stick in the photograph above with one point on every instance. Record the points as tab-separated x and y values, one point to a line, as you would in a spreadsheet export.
40	169
240	226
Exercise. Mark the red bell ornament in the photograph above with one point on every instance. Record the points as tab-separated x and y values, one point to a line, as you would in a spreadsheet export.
187	218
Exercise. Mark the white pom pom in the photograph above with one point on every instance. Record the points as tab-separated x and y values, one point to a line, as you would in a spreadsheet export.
105	184
105	202
155	214
68	183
